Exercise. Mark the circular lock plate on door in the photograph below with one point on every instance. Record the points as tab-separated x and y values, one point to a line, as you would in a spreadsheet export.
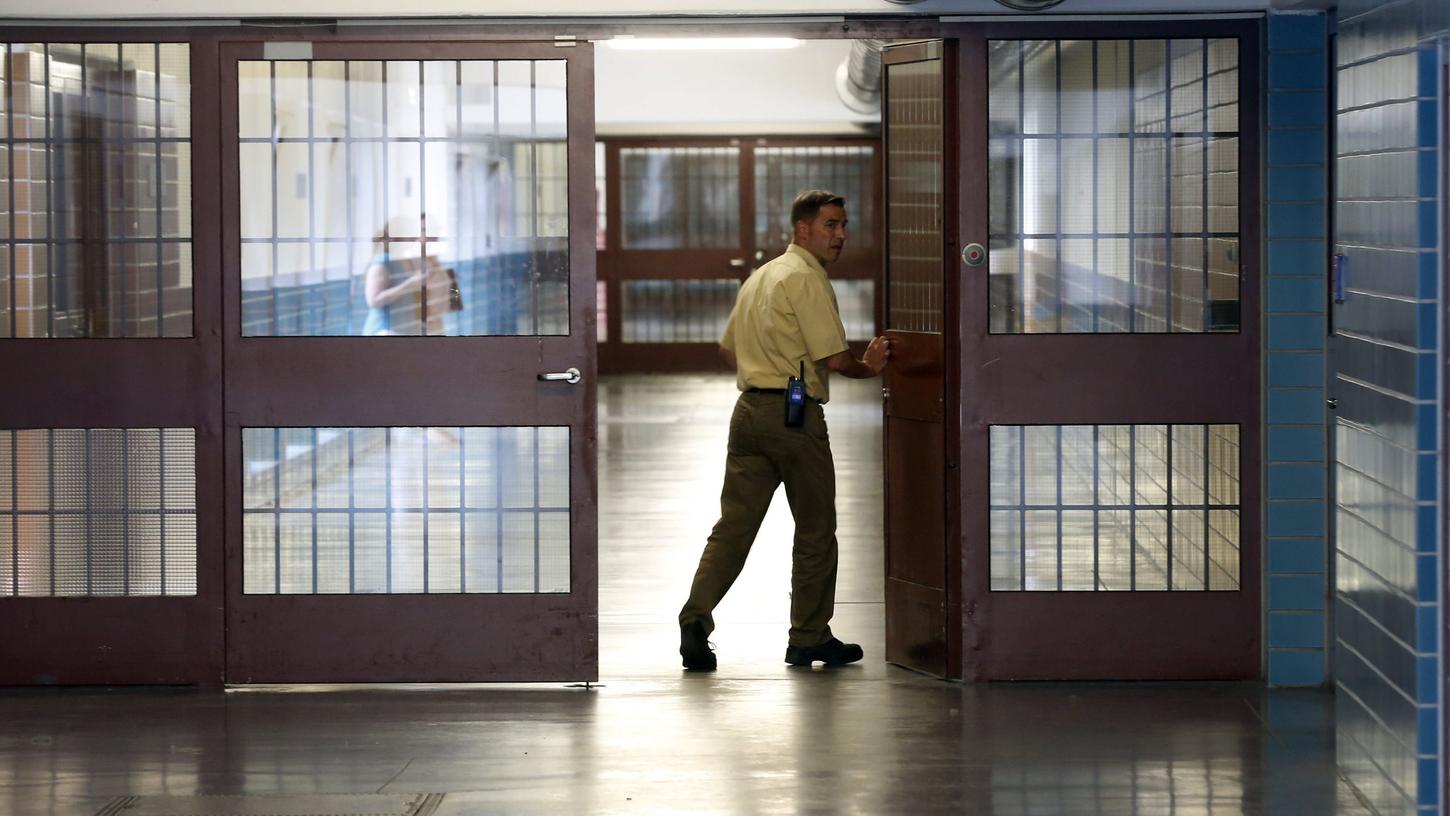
974	254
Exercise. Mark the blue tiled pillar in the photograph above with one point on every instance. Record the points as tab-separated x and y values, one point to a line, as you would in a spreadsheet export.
1295	330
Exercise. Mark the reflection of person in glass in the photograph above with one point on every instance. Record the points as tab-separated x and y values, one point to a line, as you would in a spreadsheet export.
407	290
785	322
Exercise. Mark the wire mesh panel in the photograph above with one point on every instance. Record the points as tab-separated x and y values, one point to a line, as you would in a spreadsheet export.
783	172
95	190
679	197
914	161
676	311
403	197
1114	507
405	510
1114	185
97	512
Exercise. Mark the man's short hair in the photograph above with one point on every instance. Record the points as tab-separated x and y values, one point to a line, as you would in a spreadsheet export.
810	202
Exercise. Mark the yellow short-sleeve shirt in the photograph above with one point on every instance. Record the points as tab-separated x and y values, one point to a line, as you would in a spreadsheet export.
786	313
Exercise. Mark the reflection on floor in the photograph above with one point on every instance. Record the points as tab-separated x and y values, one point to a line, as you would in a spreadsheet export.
755	737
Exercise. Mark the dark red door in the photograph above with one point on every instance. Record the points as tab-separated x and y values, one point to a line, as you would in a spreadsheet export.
921	588
1110	351
409	268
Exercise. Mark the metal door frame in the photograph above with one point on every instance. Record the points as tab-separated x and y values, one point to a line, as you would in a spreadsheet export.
281	381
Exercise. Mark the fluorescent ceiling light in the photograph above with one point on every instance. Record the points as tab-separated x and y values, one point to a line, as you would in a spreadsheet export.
702	43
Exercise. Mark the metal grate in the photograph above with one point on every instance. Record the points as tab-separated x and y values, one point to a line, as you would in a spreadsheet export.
914	154
676	311
307	804
1114	507
97	512
405	510
451	174
679	197
95	190
782	172
1114	186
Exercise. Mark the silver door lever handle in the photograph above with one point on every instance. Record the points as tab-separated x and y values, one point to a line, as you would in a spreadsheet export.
570	376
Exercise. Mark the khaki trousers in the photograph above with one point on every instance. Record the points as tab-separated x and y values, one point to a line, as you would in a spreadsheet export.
763	454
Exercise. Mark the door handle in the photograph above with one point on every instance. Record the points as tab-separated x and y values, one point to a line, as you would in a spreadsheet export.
737	262
570	375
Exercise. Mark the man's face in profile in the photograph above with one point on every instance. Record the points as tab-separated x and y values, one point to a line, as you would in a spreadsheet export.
825	235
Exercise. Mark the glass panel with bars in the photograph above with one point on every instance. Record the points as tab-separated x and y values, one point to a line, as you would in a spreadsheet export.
1081	508
1113	186
93	512
679	197
405	510
404	197
783	172
95	190
914	155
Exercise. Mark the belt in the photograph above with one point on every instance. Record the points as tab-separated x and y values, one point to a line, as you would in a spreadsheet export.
775	391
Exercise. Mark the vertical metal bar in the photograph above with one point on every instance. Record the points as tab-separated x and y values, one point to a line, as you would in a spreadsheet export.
1132	496
1097	274
321	326
1060	285
535	307
1061	454
423	256
276	255
49	231
14	511
457	184
312	457
276	511
387	470
1169	488
160	196
50	501
1203	225
1020	171
11	140
161	448
125	511
1132	48
462	501
352	510
537	512
427	478
1207	475
1097	467
350	205
384	142
498	497
90	507
1022	505
1170	327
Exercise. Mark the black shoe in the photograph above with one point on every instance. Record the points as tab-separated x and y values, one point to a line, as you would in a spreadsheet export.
833	653
695	651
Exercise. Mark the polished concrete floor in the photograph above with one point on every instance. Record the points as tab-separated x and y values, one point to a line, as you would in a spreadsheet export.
754	737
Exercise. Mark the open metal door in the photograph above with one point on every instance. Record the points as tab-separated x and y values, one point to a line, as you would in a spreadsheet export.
410	324
922	607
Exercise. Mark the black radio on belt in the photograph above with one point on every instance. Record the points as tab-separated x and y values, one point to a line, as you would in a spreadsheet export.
795	400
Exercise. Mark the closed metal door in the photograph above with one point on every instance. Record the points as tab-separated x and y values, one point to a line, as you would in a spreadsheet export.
409	270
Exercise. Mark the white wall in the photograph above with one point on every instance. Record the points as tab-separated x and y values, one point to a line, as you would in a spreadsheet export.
723	92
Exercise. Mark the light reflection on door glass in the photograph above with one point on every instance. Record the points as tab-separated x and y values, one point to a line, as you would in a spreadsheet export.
404	197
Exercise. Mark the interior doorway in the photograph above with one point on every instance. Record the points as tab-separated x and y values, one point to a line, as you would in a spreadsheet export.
694	194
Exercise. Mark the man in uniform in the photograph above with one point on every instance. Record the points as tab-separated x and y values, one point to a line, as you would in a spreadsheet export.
785	318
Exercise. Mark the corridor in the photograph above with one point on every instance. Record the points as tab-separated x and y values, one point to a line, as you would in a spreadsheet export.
756	737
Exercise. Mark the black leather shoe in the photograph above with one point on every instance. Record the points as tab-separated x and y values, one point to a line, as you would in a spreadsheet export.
833	653
695	651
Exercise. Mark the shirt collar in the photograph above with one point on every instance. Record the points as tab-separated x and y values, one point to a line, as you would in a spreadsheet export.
805	254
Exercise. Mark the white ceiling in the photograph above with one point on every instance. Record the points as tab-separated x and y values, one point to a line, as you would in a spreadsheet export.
591	8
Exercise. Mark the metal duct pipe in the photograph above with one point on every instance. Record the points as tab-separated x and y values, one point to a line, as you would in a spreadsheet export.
858	77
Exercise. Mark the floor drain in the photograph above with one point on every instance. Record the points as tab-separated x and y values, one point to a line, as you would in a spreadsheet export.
304	804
